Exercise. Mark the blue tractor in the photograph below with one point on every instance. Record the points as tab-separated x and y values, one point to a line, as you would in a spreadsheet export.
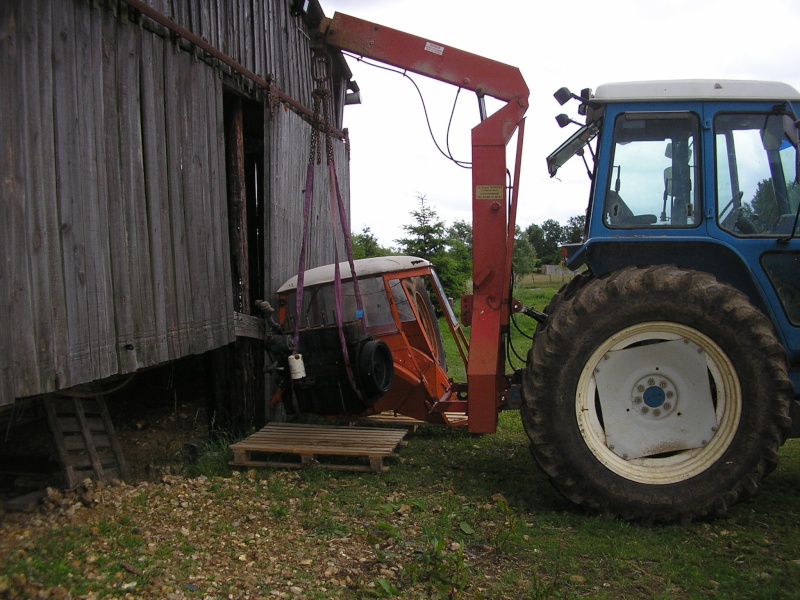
663	379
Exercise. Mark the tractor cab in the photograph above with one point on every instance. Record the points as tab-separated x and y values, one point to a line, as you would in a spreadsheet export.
701	174
386	356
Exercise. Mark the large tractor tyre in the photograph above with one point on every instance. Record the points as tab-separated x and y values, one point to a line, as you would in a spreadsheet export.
656	394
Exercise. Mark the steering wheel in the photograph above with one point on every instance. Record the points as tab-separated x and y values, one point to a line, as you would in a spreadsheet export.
729	222
744	225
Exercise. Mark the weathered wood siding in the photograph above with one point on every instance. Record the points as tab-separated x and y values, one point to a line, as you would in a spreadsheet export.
287	180
113	208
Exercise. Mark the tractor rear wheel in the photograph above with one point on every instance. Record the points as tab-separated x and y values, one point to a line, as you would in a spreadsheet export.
656	394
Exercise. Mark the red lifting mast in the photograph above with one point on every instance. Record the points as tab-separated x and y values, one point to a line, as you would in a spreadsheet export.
493	211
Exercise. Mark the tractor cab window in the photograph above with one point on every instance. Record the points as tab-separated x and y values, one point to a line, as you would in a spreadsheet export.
756	160
653	174
319	305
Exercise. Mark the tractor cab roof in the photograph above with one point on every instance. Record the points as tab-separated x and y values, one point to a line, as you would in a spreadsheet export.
694	89
670	90
364	268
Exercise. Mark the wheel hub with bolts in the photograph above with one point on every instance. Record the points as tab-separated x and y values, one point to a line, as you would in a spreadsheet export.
638	381
654	396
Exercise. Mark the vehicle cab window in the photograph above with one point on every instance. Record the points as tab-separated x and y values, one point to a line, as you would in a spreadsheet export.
756	159
653	174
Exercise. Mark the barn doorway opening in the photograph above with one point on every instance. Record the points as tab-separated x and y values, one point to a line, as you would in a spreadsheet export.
238	384
244	152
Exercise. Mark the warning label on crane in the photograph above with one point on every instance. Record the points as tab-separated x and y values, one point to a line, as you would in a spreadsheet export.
488	192
435	48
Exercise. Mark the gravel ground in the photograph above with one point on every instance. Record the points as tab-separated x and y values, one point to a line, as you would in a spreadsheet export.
212	538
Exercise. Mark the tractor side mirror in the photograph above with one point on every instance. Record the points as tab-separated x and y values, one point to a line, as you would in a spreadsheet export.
562	96
563	120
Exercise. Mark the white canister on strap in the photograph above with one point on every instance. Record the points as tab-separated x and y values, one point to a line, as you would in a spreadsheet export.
297	370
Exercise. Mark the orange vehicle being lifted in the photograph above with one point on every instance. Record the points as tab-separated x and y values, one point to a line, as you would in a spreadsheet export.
397	359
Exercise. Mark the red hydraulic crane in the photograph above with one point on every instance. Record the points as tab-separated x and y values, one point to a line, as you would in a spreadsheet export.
493	201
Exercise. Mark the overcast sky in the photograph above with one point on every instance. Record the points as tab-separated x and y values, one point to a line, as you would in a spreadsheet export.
578	44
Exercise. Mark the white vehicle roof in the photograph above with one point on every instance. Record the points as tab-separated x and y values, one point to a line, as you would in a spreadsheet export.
695	89
364	268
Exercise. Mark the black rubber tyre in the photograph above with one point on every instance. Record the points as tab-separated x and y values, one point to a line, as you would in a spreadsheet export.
375	370
650	324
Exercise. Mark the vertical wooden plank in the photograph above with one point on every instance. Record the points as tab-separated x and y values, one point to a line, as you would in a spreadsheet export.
106	120
206	30
224	8
76	177
241	29
47	176
131	251
258	37
219	207
99	288
272	213
193	22
156	193
181	11
237	204
218	256
29	283
8	57
247	34
288	156
269	37
280	33
210	195
195	207
174	117
14	289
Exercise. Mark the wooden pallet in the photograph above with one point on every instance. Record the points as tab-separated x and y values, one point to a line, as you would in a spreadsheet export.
317	445
393	420
85	439
396	420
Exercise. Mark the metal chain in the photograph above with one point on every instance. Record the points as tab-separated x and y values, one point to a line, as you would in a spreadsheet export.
314	153
321	71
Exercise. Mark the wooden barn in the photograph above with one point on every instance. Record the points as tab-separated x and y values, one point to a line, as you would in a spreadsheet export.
152	172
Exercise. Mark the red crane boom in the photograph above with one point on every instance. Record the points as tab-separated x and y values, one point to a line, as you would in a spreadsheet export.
493	212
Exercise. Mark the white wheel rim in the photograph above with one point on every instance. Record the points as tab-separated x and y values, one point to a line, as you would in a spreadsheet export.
677	466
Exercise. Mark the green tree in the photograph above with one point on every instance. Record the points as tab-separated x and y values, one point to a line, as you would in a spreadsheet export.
573	232
535	236
764	203
428	238
457	261
460	232
553	236
426	235
365	245
524	258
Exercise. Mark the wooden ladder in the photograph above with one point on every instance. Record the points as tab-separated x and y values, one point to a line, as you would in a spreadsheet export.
85	439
